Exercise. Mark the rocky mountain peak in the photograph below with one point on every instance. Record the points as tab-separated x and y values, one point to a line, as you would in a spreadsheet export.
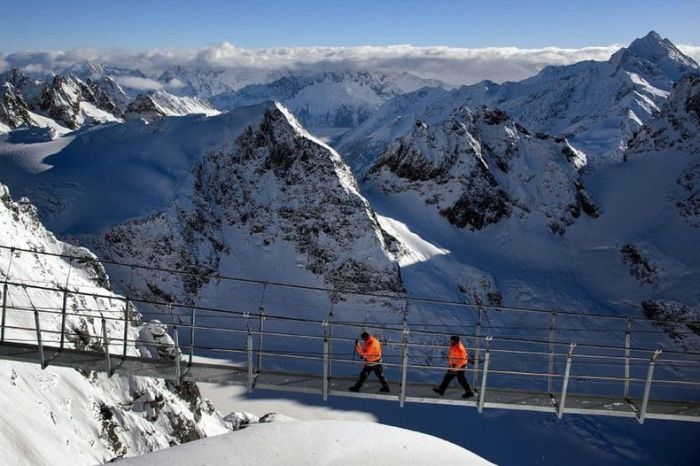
256	193
14	111
478	168
656	59
281	184
144	106
29	87
159	103
655	48
61	99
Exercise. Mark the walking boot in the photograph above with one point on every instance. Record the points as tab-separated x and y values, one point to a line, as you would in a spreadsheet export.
385	389
439	391
354	388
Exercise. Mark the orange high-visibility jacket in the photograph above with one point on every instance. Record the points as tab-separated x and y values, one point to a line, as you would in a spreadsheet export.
371	351
458	356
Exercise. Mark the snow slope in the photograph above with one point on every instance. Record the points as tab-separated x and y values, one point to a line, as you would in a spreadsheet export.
62	416
318	443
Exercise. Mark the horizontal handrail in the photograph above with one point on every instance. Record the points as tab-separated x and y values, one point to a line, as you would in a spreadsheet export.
253	315
340	291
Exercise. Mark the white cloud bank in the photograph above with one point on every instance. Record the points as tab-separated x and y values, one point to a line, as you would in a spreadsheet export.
147	84
450	64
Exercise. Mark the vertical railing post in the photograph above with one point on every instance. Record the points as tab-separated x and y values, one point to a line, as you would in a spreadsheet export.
628	354
65	303
326	361
551	351
647	386
4	296
404	364
4	312
330	342
176	339
249	348
482	391
105	344
63	318
261	327
192	327
565	384
40	345
126	327
477	345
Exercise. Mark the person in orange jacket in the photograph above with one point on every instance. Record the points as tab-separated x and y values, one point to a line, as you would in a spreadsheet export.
457	358
371	352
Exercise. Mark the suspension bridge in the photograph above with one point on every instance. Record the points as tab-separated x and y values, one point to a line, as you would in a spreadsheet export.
279	352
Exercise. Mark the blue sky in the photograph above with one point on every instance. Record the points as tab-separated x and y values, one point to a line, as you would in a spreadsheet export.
67	24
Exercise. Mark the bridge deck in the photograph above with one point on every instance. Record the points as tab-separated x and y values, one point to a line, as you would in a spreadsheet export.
495	398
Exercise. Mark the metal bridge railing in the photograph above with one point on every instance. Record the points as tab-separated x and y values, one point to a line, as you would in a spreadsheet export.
560	369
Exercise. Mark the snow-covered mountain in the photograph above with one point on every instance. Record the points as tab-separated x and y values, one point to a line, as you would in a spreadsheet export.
159	104
477	168
333	99
596	105
626	232
63	102
73	103
247	192
67	102
63	416
189	82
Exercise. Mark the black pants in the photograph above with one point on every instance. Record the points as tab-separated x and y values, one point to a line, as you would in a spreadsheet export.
461	378
377	369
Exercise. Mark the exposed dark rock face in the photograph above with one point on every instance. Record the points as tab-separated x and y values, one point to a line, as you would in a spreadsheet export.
316	206
678	320
481	290
61	100
107	94
274	183
14	110
145	107
641	267
109	431
480	204
678	124
689	204
479	168
65	98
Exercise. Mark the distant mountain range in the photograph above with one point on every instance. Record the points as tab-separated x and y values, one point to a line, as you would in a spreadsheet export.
597	106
